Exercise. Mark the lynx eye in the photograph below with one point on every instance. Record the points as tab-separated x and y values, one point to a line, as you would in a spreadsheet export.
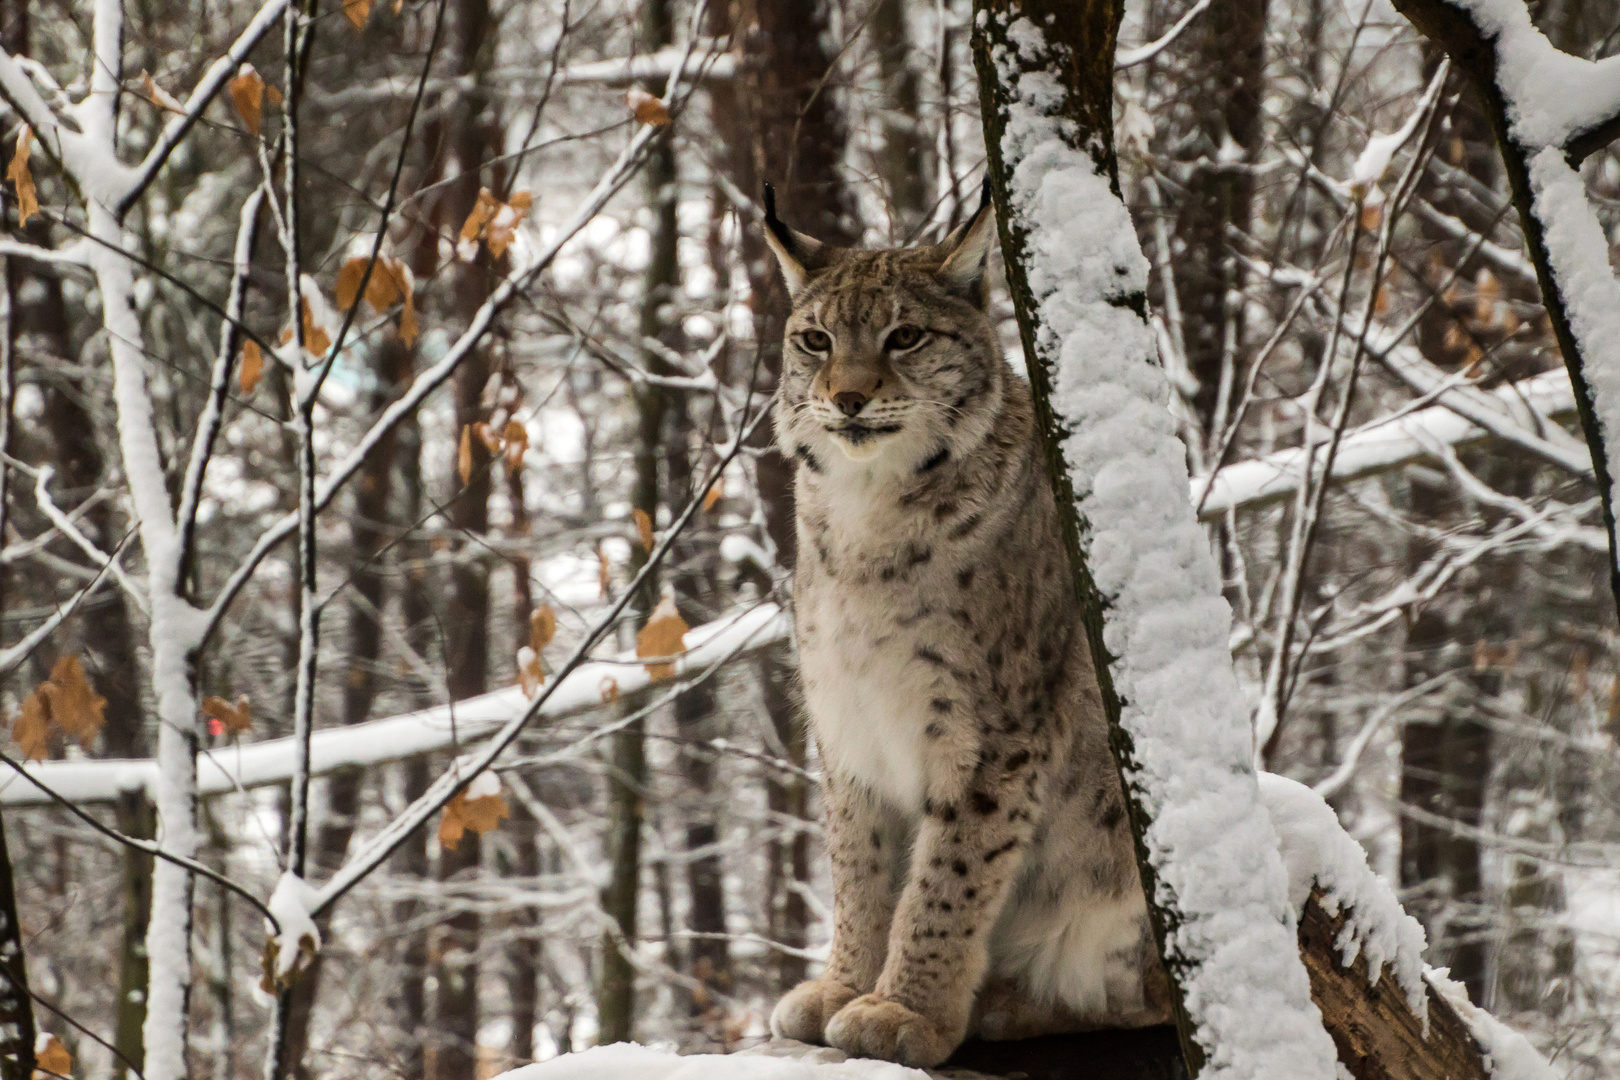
904	337
816	341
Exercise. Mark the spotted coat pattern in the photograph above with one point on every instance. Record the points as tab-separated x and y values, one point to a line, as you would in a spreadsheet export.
983	873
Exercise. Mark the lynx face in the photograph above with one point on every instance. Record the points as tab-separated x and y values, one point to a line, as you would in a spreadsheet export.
888	357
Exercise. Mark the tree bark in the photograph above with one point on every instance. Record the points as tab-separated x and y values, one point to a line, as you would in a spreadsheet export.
16	1007
904	160
1377	1034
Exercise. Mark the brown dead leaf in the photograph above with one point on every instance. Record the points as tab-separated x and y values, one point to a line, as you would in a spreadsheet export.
31	731
604	572
17	172
479	216
517	444
492	439
53	1057
272	94
644	529
531	676
247	94
159	96
76	708
252	366
609	690
463	815
357	11
237	719
647	108
390	283
1372	216
408	329
542	628
664	636
464	460
714	495
507	217
316	339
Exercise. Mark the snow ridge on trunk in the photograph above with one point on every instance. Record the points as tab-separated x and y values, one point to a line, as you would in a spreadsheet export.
1580	261
1210	840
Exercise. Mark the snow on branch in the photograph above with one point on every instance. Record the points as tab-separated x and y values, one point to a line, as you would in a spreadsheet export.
1379	446
227	769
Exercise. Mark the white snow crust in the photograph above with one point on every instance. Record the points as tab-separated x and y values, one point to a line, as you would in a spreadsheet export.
1550	94
1580	263
627	1061
290	903
1508	1054
1211	842
1319	853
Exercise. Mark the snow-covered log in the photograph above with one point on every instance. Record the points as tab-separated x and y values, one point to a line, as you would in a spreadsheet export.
1158	625
1550	110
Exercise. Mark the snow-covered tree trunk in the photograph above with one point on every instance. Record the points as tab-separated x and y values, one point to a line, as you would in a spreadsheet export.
1158	625
1550	111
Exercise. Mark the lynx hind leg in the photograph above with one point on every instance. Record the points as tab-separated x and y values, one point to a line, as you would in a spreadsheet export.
1006	1009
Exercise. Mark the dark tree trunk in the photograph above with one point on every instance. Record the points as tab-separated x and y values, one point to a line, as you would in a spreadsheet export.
370	531
904	160
16	1007
1229	71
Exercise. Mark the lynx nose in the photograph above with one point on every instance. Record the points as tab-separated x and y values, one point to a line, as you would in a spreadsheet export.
849	402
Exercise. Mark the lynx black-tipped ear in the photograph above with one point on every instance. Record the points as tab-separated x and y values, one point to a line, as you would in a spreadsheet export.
967	251
798	255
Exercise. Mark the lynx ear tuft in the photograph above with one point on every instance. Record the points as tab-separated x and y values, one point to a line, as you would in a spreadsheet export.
968	252
798	255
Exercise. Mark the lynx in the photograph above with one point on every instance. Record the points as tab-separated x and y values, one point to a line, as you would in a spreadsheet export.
983	875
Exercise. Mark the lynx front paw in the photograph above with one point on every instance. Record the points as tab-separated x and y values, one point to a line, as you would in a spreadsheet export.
873	1026
803	1012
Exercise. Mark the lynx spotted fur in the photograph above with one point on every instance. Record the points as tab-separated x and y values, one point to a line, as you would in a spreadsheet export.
983	875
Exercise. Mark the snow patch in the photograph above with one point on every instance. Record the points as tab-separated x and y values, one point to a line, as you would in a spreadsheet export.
1320	854
1508	1054
627	1061
1211	841
298	938
1580	263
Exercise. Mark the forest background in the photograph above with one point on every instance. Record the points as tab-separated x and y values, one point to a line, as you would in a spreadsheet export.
555	327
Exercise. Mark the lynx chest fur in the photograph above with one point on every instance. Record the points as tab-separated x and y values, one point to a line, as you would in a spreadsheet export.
982	864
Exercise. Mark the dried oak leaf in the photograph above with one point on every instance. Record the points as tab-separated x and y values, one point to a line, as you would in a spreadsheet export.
464	460
604	571
479	216
76	708
517	444
663	637
609	690
53	1057
357	11
252	369
464	814
32	727
542	627
247	94
646	107
316	339
17	172
236	719
530	675
159	96
644	529
717	490
508	216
